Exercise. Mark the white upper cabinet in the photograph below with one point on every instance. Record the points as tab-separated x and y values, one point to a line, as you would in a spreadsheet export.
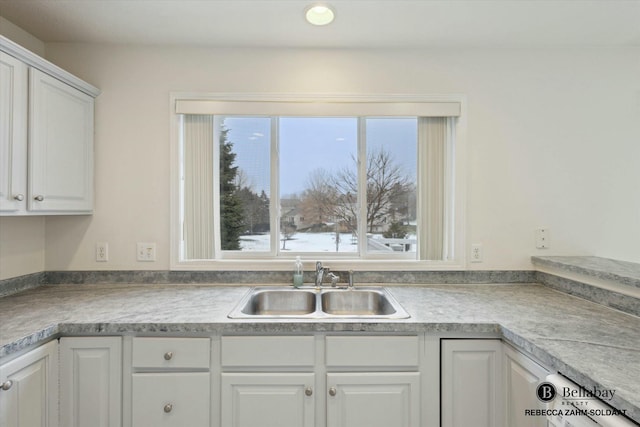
46	137
13	134
60	146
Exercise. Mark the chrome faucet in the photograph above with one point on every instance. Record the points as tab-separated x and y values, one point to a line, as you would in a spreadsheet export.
320	273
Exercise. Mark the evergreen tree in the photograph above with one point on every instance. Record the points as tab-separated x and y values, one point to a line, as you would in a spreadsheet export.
231	209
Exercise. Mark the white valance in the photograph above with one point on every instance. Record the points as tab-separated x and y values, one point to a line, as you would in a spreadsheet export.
319	108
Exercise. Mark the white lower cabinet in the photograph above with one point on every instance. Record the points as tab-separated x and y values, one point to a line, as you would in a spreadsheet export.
522	376
170	382
348	380
471	383
173	399
373	399
362	389
90	381
268	399
29	389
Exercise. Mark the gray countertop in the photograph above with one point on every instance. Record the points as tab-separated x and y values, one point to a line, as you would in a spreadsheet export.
594	345
623	272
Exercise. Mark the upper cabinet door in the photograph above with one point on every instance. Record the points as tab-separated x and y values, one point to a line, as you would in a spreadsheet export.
13	134
60	146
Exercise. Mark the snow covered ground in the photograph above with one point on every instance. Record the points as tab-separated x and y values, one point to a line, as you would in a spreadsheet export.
304	242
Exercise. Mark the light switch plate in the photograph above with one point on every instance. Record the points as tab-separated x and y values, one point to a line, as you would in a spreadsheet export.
146	252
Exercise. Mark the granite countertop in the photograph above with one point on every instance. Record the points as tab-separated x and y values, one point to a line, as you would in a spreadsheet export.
593	345
623	272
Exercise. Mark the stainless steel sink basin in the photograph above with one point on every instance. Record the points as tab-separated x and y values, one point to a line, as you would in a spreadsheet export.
357	303
311	303
279	302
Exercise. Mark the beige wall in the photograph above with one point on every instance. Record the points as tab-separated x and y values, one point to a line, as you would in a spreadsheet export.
21	246
553	139
18	35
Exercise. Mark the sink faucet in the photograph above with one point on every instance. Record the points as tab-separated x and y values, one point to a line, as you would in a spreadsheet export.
320	273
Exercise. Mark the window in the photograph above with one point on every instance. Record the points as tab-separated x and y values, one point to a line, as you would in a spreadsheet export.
319	181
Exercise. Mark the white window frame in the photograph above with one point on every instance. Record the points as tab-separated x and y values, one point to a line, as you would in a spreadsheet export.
455	186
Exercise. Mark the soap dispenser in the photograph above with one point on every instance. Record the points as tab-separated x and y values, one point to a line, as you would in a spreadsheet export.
298	271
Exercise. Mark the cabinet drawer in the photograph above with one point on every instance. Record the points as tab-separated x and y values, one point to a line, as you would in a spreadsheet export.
268	351
373	351
171	353
171	399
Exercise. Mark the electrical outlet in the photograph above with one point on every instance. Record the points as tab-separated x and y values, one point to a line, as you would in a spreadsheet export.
476	252
542	238
146	252
102	251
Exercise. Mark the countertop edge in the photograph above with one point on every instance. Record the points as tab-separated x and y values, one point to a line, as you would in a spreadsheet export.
622	272
503	332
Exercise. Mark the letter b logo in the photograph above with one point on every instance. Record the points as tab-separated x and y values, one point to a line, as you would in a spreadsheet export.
546	392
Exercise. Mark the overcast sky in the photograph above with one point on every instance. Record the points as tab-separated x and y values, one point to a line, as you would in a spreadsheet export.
307	144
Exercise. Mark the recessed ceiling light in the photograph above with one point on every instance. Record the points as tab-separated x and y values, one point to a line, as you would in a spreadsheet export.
319	14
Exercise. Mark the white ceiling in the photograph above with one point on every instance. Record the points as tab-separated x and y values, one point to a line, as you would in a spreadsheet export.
359	23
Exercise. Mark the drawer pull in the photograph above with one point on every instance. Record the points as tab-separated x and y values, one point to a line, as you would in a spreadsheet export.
19	197
6	385
332	391
38	198
168	355
308	391
168	407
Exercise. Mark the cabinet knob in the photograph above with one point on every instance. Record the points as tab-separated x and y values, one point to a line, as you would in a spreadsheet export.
168	407
168	355
19	197
308	391
39	198
6	385
332	391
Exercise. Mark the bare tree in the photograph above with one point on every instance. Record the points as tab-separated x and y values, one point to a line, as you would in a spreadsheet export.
388	188
319	198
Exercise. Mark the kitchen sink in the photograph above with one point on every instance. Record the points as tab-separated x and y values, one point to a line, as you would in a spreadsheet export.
312	303
357	302
279	302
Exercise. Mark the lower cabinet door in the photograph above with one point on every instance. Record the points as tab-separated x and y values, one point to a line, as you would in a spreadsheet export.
90	381
471	383
268	400
171	399
29	389
522	376
373	399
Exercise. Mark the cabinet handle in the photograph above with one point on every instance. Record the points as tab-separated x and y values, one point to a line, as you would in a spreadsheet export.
168	407
308	391
6	385
168	355
39	198
332	391
19	197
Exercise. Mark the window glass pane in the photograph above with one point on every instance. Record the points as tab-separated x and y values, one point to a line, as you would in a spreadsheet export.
391	185
318	184
245	183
